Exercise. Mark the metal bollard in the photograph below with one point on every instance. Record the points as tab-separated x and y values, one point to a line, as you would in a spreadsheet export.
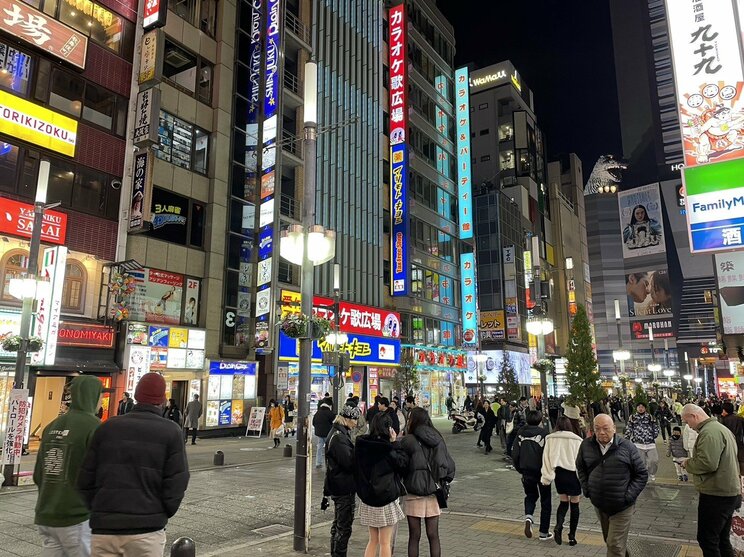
288	450
219	458
183	547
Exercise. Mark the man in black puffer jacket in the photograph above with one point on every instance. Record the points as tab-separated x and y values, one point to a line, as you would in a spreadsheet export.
527	457
612	476
322	424
134	476
339	481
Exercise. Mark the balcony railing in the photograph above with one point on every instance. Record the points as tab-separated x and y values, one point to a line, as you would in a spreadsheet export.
291	82
291	144
293	23
289	207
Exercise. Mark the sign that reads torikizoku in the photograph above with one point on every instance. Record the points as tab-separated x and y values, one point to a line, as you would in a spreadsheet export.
398	79
464	179
399	217
709	78
17	219
715	205
32	123
33	27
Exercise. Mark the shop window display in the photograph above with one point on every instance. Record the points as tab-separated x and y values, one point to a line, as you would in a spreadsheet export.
182	144
15	70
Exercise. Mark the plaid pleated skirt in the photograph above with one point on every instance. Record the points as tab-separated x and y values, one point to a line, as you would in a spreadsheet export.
379	517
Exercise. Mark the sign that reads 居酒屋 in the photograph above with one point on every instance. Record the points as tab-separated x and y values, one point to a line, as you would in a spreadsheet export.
714	195
30	122
17	219
37	29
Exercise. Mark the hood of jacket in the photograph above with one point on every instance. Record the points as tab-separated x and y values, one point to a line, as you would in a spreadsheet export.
85	392
565	435
428	436
325	405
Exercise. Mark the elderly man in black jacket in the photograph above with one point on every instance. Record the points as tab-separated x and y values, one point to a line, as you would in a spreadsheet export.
134	476
612	476
339	480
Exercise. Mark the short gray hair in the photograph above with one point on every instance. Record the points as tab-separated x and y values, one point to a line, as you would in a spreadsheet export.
693	410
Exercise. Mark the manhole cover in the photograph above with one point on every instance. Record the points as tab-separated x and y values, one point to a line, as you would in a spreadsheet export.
639	547
278	529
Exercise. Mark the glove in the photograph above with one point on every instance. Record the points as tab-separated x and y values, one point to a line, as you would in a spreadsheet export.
324	504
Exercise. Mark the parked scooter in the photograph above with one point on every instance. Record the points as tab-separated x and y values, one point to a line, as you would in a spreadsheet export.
462	421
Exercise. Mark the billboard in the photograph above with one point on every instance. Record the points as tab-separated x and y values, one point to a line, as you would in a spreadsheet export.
362	350
714	195
492	325
398	85
469	301
730	274
17	219
649	293
399	217
663	328
157	297
35	124
709	79
641	221
464	175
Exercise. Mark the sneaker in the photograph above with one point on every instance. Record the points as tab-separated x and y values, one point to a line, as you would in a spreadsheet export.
651	477
685	478
572	541
546	537
528	527
558	530
679	478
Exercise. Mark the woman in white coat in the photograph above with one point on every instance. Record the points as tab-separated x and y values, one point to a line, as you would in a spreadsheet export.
559	465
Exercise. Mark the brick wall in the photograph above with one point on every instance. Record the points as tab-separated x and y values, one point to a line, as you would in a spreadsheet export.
108	70
100	150
127	8
91	234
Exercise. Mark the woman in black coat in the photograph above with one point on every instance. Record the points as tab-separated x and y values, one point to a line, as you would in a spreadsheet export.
487	430
172	412
429	465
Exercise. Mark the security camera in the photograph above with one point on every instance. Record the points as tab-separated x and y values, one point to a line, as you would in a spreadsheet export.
116	184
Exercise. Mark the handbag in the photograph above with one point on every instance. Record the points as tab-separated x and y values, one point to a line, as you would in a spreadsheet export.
510	426
442	488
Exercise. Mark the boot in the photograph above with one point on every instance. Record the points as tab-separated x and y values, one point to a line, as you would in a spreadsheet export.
573	523
560	516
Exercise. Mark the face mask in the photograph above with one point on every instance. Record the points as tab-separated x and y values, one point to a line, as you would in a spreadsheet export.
676	436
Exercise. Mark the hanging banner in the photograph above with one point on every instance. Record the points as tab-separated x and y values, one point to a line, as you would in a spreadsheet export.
147	118
464	178
151	58
709	78
398	85
140	205
49	305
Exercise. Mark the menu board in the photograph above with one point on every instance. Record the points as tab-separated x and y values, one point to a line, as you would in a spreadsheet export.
182	139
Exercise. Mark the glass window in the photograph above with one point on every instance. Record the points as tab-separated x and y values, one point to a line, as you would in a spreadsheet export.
198	219
15	69
506	159
199	13
177	219
66	92
89	192
15	264
8	166
180	67
61	181
99	106
73	290
506	131
103	26
201	151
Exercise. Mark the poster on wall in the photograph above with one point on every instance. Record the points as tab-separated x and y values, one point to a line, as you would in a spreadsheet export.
641	221
157	297
649	293
213	413
191	306
138	363
730	276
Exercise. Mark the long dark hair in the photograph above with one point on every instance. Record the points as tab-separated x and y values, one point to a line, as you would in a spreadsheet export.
567	424
417	418
380	426
633	217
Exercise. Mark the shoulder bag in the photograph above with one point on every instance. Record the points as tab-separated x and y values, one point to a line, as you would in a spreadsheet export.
442	487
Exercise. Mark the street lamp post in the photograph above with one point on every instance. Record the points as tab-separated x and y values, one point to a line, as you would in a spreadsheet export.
20	379
620	355
338	339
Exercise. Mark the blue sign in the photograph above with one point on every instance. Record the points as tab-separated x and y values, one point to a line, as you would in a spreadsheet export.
469	301
271	96
225	412
265	242
362	349
464	178
159	336
232	368
399	217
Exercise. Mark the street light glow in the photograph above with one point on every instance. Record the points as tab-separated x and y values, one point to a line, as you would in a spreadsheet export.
621	355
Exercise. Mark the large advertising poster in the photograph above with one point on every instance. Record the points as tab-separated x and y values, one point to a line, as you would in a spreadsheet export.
641	221
649	293
730	273
709	79
157	297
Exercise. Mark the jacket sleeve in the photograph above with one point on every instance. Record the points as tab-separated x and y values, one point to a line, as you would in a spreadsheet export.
398	457
656	429
638	474
175	475
547	472
86	480
707	458
515	454
630	426
582	472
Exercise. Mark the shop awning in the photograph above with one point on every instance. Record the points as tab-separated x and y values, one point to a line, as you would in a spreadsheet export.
83	366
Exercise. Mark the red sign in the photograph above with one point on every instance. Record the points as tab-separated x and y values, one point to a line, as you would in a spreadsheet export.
367	320
86	335
17	219
398	83
24	22
154	15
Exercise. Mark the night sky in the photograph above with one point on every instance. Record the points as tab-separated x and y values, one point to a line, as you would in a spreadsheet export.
563	51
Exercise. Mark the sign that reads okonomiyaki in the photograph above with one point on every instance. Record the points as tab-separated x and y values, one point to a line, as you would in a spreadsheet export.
464	178
709	78
714	194
399	217
32	123
398	79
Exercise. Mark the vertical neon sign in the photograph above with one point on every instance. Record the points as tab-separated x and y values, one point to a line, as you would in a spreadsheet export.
469	301
464	179
398	154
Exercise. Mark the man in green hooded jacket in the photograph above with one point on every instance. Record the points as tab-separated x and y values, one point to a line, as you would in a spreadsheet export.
61	514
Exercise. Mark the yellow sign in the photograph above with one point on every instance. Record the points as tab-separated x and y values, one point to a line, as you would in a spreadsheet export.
30	122
99	13
492	325
179	338
290	302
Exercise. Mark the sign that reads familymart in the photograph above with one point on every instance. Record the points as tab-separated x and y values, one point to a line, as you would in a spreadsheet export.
714	196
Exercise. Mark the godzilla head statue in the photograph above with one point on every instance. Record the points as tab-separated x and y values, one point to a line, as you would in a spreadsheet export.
606	175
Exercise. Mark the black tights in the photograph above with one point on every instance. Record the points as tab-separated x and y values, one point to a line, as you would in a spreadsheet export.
432	533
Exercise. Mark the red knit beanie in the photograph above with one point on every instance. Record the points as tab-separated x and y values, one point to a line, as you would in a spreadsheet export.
150	389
